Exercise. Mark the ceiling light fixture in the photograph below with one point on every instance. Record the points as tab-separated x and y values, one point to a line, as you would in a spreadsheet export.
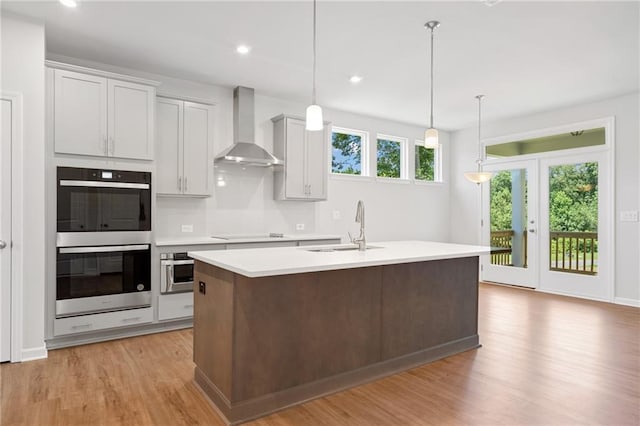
479	176
431	134
314	112
355	79
69	3
243	49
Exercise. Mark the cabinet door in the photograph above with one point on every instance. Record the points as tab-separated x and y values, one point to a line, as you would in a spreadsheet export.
316	146
130	120
198	131
169	137
80	115
295	182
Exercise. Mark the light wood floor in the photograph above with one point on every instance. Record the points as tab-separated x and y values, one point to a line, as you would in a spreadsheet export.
545	360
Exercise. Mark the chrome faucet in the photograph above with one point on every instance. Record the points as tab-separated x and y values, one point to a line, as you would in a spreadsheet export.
361	240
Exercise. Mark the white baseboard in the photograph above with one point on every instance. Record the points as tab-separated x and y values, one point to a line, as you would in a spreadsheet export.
627	302
34	353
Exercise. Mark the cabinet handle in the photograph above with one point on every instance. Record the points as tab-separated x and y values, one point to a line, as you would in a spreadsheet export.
185	184
188	306
131	319
111	148
309	190
180	183
76	327
105	146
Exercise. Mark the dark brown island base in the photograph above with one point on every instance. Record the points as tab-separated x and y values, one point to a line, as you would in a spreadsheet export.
268	342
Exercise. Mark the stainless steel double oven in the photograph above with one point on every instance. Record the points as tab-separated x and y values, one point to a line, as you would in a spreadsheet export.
103	256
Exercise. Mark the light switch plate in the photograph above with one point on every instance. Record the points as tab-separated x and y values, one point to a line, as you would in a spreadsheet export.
629	216
336	214
300	227
187	228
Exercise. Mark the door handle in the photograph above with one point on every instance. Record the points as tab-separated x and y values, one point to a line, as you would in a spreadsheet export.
532	230
3	244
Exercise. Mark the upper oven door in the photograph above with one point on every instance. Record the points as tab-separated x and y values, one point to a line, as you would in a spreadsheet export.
91	200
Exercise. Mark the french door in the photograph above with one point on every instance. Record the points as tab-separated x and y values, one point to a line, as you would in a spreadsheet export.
548	223
509	224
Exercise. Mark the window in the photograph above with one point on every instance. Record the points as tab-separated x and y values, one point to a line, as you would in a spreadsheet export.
348	152
427	163
391	157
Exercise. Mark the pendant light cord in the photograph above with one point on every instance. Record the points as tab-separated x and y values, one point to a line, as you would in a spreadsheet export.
431	109
479	131
313	93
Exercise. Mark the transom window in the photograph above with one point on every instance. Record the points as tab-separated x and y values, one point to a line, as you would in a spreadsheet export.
348	152
391	157
427	162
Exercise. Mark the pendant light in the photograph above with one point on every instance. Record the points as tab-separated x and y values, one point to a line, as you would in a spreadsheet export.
314	112
479	176
431	134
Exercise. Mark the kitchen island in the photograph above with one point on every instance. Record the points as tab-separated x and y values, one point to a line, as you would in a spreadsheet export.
274	328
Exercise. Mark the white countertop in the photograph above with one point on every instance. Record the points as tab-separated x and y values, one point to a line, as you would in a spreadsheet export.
291	260
236	239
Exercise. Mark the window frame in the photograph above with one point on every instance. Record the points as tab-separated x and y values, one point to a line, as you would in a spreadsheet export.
364	152
437	163
404	163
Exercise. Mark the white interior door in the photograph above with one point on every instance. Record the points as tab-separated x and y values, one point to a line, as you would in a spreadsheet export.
6	131
509	224
575	237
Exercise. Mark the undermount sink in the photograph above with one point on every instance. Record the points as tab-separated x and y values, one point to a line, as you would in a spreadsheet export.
339	248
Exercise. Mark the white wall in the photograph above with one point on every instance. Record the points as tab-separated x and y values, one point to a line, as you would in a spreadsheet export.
465	197
246	205
22	56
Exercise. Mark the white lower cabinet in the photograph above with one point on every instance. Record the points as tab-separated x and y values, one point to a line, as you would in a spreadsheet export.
173	306
86	323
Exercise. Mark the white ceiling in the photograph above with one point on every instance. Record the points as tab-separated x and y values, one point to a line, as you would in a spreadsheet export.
525	56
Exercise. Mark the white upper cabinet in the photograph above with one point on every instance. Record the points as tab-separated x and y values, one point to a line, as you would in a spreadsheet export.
184	142
80	118
104	117
305	172
130	120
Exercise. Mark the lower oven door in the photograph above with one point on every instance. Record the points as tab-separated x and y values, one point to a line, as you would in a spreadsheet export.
102	278
177	276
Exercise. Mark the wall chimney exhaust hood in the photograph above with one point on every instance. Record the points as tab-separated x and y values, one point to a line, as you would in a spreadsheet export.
244	151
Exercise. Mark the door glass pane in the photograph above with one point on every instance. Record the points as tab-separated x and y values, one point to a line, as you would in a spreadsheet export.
573	218
508	217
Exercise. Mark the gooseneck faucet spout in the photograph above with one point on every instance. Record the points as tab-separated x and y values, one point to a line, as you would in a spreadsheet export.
361	240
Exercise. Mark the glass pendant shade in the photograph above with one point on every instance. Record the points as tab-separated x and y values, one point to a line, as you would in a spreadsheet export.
478	177
314	118
431	138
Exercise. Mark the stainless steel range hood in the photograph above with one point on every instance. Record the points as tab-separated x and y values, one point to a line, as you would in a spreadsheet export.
244	151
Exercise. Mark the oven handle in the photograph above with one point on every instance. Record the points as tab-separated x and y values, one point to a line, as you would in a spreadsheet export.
103	249
100	184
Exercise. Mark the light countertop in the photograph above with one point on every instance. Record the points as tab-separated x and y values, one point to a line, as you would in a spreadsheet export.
291	260
237	239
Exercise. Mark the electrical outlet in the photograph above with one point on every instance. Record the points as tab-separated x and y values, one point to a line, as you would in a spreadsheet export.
629	216
336	214
187	228
300	227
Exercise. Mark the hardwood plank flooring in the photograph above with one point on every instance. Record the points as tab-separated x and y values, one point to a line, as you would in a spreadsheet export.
545	360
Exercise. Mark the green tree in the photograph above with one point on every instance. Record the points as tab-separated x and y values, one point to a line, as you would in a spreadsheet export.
388	158
425	163
346	153
501	207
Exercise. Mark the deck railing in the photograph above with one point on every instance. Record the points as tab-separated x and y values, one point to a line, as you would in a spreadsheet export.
575	252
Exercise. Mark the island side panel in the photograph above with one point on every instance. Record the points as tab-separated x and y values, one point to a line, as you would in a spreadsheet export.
213	327
426	304
296	329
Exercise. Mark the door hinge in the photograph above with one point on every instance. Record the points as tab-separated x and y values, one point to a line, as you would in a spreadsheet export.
481	222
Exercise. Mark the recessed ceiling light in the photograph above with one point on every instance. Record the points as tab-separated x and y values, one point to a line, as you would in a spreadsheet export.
243	49
491	2
355	79
69	3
